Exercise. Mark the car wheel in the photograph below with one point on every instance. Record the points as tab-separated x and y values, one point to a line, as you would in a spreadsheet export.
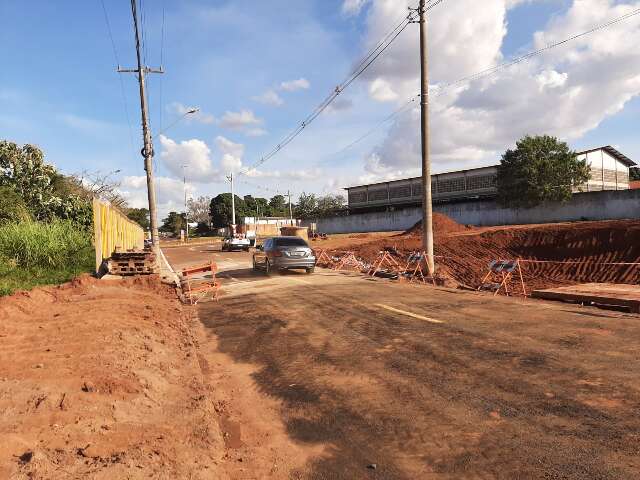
311	270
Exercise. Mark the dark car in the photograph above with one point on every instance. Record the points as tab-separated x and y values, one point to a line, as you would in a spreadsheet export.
284	253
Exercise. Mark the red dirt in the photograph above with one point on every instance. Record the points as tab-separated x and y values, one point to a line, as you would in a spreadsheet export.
442	225
463	255
109	379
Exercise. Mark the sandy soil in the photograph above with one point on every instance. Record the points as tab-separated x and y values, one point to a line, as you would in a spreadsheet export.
106	379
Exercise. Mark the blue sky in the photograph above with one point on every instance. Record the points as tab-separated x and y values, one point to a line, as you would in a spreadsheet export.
255	69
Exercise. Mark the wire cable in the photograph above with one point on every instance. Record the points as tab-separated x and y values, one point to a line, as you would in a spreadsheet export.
362	66
489	72
122	89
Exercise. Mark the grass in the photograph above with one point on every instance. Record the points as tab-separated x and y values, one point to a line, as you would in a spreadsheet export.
33	254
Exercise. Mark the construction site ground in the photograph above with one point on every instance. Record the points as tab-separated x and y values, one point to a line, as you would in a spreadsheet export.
379	379
333	375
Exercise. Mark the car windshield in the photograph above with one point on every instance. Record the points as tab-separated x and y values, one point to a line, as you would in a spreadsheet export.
289	242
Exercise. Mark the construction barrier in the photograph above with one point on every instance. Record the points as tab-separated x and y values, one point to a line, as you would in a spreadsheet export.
113	230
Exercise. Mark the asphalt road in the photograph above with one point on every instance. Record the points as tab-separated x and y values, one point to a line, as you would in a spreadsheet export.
432	383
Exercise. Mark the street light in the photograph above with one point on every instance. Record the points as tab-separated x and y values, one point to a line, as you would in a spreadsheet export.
180	118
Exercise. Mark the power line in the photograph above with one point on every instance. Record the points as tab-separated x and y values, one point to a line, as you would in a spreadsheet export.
362	66
161	60
122	89
488	72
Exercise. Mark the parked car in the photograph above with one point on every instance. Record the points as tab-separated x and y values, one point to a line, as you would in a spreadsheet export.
235	243
283	253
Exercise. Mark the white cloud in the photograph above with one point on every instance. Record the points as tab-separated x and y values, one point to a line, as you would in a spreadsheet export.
255	132
566	92
353	7
270	97
178	108
169	192
299	174
194	153
239	120
382	91
294	85
232	154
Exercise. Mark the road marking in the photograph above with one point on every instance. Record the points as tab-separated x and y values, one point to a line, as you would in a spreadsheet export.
408	314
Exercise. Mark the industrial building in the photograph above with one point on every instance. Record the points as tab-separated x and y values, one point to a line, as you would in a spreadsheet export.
609	171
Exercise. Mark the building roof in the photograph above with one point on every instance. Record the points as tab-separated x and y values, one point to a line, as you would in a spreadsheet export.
621	157
608	148
416	178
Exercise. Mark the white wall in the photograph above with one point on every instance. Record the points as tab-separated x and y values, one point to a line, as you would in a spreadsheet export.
606	205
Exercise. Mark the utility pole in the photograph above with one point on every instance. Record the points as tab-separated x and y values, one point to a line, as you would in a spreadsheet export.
147	150
233	206
290	209
186	212
427	207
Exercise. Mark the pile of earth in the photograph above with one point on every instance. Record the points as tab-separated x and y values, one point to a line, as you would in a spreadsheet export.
552	255
442	225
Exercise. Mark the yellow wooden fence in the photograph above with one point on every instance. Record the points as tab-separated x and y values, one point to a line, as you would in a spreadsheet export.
112	229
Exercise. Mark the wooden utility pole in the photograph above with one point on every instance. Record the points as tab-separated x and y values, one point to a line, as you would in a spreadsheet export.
147	150
290	209
427	207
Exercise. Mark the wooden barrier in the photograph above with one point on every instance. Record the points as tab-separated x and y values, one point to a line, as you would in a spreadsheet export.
113	230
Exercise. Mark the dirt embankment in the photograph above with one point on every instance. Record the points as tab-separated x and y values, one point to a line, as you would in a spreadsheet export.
571	252
101	380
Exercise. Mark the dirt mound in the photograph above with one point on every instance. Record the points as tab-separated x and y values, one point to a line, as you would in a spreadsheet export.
442	225
553	255
100	379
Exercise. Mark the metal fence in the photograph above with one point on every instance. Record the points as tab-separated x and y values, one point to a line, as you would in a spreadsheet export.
112	229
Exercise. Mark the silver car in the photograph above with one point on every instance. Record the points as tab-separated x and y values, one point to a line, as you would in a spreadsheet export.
283	253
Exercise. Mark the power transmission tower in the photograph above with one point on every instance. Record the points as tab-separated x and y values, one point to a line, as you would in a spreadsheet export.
427	207
147	150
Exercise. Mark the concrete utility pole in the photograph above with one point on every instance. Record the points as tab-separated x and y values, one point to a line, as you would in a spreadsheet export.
147	150
186	211
290	209
427	207
233	205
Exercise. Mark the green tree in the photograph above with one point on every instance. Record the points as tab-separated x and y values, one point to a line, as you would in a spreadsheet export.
173	223
140	216
12	207
220	210
40	186
307	206
634	174
278	206
540	169
330	205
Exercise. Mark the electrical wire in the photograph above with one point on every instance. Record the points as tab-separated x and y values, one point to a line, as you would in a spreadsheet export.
360	68
122	89
489	72
161	62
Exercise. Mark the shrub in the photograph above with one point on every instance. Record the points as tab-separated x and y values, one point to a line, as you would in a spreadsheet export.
34	244
12	206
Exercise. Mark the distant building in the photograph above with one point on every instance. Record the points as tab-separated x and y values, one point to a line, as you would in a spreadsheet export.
609	171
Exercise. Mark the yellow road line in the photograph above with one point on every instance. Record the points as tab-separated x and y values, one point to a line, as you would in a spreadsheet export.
408	314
